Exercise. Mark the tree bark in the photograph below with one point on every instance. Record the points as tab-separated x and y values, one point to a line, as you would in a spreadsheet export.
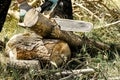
30	46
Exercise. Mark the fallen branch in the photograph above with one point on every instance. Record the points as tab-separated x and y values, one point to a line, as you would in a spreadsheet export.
108	25
113	23
48	29
81	71
19	64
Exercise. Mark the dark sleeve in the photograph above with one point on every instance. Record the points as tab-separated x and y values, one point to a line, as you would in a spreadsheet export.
67	8
46	5
4	6
63	9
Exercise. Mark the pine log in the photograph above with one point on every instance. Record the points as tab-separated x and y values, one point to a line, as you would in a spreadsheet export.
49	29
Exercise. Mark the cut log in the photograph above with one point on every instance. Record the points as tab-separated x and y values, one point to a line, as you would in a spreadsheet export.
26	46
48	29
29	46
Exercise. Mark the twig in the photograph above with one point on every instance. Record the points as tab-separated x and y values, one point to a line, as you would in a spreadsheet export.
111	78
67	77
71	76
67	72
108	25
114	78
113	23
77	15
80	5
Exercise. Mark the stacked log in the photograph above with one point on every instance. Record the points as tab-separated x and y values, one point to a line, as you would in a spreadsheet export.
29	46
47	42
